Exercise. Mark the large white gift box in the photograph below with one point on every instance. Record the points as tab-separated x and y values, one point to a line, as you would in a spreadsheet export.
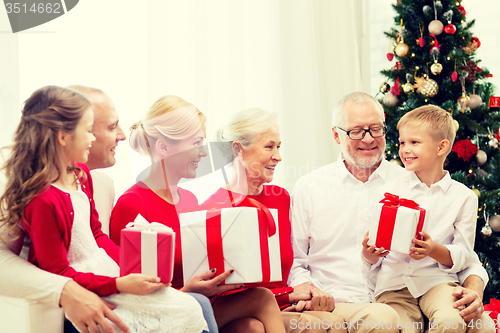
239	238
395	223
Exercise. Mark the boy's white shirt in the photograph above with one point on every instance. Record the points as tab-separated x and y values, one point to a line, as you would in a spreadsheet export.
451	211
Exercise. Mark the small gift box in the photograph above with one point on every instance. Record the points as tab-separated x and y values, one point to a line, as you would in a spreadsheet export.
493	310
147	248
242	238
396	222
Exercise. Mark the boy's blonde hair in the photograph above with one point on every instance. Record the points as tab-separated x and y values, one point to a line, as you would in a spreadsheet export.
436	121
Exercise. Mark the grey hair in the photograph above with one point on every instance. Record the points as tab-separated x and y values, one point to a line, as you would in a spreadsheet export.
246	126
338	116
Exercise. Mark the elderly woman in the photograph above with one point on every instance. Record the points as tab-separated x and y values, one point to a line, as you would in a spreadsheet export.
172	134
253	138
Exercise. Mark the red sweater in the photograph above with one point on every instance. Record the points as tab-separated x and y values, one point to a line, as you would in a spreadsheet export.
272	197
49	221
139	199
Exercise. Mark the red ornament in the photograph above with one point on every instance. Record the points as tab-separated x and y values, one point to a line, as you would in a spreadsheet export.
461	9
477	41
465	149
497	136
421	41
454	76
397	66
479	69
390	56
450	29
396	90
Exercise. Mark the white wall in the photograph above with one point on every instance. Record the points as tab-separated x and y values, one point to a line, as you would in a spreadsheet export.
294	57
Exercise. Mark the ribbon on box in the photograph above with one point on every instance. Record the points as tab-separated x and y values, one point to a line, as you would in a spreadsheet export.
149	243
388	218
267	228
494	310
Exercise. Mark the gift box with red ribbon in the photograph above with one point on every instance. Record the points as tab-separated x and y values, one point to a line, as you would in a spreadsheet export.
396	222
243	238
147	248
493	310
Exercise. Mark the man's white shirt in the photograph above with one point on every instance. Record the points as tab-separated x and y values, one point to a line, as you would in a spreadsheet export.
330	216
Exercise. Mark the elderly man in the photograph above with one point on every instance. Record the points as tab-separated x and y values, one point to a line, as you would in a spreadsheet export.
330	218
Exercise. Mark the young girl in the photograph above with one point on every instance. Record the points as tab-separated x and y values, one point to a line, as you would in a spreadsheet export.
49	195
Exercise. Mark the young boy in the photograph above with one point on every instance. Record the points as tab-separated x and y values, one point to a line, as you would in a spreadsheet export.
423	281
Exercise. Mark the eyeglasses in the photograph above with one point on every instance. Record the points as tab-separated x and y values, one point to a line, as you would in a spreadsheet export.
359	134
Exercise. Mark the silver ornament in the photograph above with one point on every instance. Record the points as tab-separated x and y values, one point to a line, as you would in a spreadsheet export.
494	223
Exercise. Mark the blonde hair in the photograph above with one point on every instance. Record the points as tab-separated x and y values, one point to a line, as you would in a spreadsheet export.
338	114
246	126
436	121
171	118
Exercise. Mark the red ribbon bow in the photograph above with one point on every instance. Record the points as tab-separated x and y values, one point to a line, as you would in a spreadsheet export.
388	218
494	307
395	201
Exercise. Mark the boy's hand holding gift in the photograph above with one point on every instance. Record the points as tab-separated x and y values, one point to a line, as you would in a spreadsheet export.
397	224
423	247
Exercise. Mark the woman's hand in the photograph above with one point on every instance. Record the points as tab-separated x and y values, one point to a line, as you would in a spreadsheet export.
205	285
139	284
371	253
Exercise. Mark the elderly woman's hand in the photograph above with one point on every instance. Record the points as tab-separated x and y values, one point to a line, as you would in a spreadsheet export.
205	285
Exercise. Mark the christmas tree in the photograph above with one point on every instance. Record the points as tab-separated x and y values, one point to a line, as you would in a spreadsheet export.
434	52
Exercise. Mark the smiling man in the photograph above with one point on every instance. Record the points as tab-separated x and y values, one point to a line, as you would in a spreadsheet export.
330	216
106	130
108	134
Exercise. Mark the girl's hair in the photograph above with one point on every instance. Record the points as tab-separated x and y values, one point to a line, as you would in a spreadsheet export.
170	118
246	126
33	158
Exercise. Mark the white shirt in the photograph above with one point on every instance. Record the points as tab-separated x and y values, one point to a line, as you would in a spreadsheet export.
104	197
330	216
451	213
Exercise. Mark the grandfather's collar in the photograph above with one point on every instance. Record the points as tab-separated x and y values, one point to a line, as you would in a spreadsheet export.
381	171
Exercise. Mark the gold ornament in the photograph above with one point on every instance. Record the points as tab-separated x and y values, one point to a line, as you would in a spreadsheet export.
408	88
427	87
396	161
462	102
384	87
436	68
402	49
457	125
477	192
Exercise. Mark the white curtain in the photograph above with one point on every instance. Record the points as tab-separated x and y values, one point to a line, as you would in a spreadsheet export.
295	57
